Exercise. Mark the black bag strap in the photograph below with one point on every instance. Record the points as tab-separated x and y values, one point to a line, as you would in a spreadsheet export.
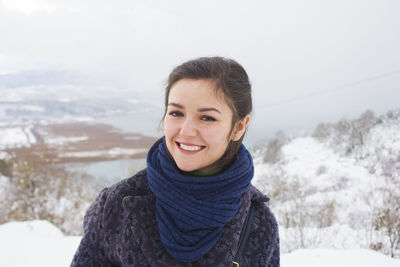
245	234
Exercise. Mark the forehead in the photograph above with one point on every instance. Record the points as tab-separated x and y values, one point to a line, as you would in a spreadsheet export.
196	92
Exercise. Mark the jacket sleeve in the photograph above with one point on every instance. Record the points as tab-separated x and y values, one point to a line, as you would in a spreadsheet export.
271	239
91	248
274	255
262	249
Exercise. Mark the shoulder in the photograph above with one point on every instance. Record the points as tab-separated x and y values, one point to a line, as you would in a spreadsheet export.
135	185
263	244
265	223
104	222
116	194
106	210
262	213
111	198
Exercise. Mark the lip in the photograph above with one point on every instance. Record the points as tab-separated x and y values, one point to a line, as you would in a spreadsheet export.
188	144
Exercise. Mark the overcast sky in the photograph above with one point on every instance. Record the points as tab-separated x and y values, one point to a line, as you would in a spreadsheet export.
309	61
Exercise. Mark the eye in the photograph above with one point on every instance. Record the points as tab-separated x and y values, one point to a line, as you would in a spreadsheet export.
207	118
175	113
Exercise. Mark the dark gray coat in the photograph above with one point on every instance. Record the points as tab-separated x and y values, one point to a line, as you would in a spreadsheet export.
120	230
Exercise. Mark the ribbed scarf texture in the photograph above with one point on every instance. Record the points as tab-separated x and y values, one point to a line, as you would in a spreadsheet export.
192	211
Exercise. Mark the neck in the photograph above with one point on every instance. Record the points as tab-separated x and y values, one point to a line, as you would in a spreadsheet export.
203	174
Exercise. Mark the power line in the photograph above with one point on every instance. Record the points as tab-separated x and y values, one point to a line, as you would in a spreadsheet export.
336	88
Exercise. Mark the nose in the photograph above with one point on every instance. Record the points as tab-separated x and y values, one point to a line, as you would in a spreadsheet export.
188	128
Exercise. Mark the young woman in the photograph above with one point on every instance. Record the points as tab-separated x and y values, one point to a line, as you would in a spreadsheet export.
193	205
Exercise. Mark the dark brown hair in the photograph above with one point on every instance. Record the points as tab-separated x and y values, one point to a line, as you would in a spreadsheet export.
230	79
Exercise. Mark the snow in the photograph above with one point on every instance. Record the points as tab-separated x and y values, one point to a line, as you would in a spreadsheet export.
335	258
318	166
386	140
4	155
16	137
32	108
337	236
39	243
60	140
35	243
116	151
125	151
4	188
313	173
80	118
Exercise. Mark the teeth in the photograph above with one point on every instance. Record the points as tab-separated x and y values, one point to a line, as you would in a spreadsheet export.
190	148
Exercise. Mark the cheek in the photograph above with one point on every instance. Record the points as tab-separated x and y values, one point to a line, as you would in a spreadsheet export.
218	135
165	126
168	127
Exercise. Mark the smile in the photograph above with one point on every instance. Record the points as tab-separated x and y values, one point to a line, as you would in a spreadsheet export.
189	148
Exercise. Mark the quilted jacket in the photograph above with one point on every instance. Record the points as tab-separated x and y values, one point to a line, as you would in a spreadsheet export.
120	229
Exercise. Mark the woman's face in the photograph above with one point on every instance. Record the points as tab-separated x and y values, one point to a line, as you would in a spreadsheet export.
197	125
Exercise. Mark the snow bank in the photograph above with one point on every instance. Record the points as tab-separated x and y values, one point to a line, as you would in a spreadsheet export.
35	243
335	258
16	137
39	243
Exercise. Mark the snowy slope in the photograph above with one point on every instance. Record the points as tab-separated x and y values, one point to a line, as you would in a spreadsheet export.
35	243
325	194
320	176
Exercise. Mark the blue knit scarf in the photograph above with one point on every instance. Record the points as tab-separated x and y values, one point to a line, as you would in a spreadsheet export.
191	211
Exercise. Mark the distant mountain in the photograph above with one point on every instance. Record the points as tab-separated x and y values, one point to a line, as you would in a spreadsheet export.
40	77
54	103
55	94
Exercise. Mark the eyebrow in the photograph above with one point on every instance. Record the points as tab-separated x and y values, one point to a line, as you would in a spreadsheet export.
199	110
208	109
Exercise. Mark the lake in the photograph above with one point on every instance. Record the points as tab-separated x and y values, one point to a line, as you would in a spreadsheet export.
108	172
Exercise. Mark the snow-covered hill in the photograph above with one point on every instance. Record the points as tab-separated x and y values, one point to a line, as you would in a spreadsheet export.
68	102
329	188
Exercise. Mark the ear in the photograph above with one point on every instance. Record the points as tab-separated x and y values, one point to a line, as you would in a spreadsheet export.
240	128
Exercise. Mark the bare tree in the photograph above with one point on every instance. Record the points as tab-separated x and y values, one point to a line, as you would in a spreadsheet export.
387	216
43	190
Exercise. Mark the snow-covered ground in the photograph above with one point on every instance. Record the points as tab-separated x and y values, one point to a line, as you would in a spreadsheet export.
337	258
35	243
60	140
39	243
16	137
116	151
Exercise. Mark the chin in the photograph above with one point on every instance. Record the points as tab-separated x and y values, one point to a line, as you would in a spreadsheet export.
186	168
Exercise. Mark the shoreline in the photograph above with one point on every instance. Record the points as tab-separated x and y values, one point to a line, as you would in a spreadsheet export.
74	142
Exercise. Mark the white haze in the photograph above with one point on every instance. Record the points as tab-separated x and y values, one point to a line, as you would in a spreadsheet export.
309	61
